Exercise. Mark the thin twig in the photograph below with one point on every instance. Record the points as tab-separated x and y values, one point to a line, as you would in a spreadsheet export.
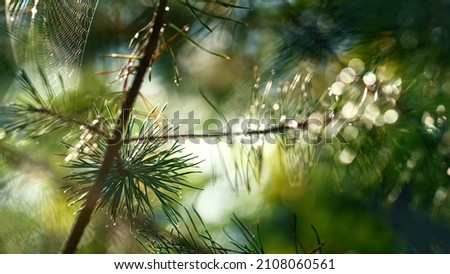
114	143
176	136
70	120
319	242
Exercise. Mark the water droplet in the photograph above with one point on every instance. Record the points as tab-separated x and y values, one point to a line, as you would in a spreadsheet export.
427	120
292	124
388	89
33	12
337	88
397	81
347	75
390	116
369	78
315	123
357	65
371	112
350	133
379	121
393	196
276	106
316	118
349	110
439	196
391	90
347	156
167	8
384	73
327	150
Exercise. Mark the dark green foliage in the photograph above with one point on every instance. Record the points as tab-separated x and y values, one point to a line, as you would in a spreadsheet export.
194	237
380	69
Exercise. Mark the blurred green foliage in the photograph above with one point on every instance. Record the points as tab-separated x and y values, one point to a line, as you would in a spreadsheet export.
384	191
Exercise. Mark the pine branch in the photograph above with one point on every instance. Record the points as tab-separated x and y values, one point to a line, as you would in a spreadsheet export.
273	130
115	143
38	115
193	236
70	120
144	171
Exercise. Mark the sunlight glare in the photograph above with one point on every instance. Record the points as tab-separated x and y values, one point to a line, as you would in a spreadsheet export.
390	116
337	88
349	110
357	65
369	78
347	75
347	156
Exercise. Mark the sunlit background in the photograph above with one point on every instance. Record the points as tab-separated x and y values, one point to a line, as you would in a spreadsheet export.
370	176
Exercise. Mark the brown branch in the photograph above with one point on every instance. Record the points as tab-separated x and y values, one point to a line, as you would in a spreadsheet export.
115	143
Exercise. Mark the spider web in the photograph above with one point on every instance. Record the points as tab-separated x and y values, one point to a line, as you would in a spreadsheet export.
50	35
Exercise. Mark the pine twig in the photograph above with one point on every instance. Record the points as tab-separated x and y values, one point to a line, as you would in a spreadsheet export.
70	120
177	136
115	143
